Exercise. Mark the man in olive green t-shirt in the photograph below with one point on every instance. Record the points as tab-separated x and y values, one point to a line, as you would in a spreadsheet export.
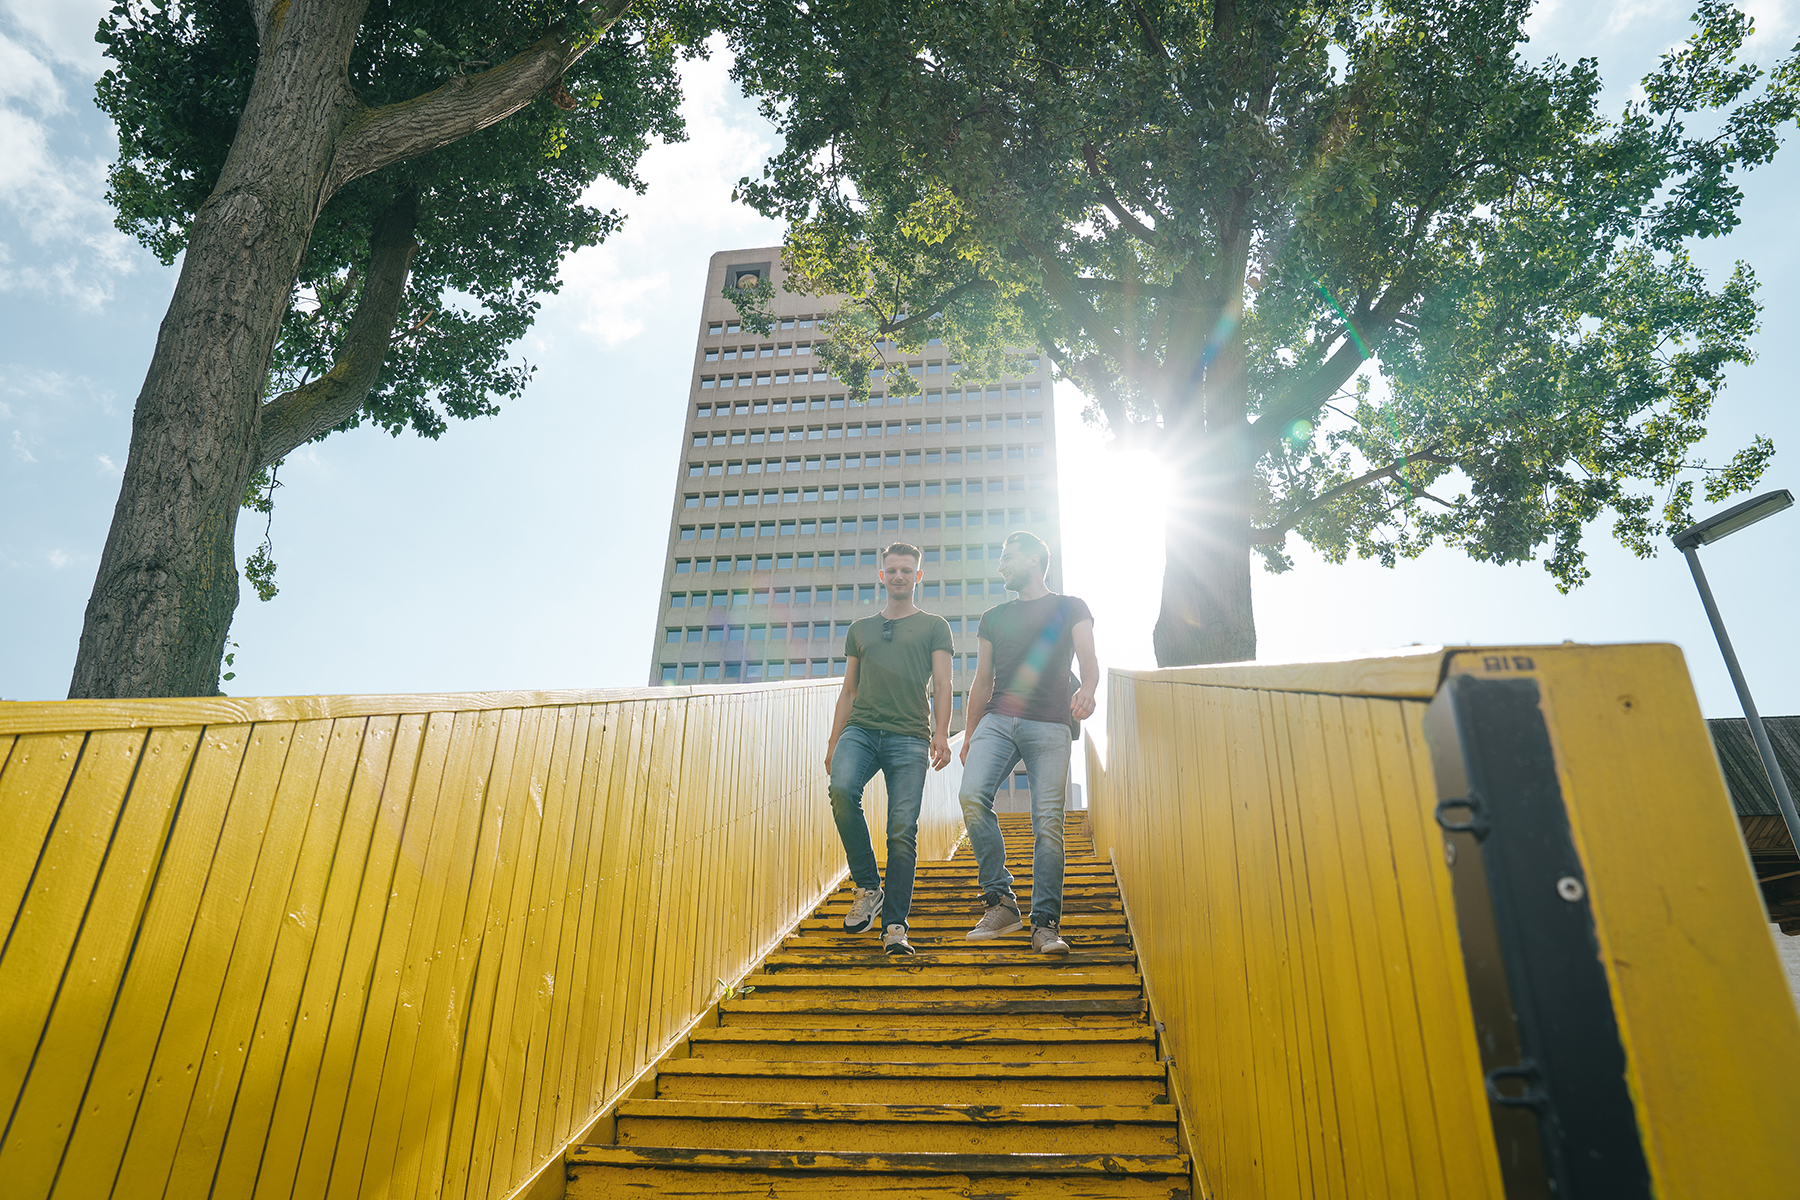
882	724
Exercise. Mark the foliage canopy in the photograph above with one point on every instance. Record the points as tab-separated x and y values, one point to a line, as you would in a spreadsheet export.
1213	213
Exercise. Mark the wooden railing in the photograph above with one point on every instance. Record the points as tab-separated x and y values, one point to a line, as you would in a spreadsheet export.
1288	891
396	946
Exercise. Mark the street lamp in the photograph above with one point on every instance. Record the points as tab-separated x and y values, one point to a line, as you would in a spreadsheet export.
1689	541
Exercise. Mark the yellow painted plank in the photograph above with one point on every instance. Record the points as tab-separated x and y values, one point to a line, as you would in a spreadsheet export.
1270	1033
309	799
390	754
280	772
585	1068
123	1074
1312	1053
1422	1138
261	1152
514	1154
400	967
575	896
37	771
303	1132
55	903
511	807
1352	1076
48	1108
432	1091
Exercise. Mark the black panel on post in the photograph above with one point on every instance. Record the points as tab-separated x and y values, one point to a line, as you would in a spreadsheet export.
1550	1047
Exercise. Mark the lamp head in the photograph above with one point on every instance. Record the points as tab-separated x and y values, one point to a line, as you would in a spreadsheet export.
1702	533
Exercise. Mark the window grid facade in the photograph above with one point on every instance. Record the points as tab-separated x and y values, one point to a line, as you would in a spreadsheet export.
785	492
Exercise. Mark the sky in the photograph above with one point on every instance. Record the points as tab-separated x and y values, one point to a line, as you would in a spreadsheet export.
523	551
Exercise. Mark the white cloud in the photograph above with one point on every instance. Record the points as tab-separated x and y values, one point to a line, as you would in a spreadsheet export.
62	31
62	243
614	285
59	559
21	451
27	79
106	464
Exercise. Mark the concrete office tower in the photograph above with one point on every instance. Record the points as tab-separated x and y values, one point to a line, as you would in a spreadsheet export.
785	492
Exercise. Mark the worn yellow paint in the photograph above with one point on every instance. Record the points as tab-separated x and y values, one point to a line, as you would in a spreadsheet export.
1712	1041
399	946
1272	831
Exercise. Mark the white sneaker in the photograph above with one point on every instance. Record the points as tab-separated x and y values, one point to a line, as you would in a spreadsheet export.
864	908
894	941
1000	918
1047	939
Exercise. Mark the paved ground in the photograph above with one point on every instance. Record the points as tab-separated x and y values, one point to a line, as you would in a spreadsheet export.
1789	949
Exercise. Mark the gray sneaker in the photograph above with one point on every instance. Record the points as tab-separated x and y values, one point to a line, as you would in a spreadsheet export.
864	908
1001	917
1047	939
894	941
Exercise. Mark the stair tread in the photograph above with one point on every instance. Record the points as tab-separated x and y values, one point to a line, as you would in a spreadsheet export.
981	1114
803	1069
915	1162
915	1007
928	1034
913	979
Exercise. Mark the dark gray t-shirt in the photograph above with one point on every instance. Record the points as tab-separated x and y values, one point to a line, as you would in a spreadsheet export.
1033	641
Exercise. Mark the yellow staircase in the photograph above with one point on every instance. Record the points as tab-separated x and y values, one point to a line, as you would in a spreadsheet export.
972	1069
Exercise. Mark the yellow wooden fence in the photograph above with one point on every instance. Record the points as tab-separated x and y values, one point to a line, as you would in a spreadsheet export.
1273	833
382	946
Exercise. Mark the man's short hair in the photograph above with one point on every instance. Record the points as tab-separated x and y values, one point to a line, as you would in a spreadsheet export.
904	548
1032	545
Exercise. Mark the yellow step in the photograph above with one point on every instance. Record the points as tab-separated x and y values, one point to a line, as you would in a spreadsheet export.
767	1175
899	1018
1046	970
925	1045
806	957
913	1083
937	1008
889	1128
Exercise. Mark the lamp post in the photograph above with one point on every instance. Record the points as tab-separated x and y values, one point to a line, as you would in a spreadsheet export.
1689	541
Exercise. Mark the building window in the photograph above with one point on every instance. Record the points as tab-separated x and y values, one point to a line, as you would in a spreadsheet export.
669	672
846	593
865	593
672	635
683	566
715	633
952	590
710	671
690	671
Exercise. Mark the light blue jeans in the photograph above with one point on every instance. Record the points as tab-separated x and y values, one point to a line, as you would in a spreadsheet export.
860	753
1000	744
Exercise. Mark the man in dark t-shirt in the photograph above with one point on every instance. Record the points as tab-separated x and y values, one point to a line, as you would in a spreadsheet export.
882	724
1021	706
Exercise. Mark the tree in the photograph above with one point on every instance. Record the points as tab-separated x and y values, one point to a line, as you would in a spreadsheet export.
370	199
1211	214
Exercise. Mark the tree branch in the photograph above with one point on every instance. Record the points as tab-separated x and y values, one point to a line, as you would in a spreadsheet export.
1131	223
1307	395
375	137
1277	532
297	416
936	307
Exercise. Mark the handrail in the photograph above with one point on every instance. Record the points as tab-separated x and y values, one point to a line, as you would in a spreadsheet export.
417	945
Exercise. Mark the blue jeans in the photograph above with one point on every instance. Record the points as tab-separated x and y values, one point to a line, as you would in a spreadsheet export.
860	753
1000	744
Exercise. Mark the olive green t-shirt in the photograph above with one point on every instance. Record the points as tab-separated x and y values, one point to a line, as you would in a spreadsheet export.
893	676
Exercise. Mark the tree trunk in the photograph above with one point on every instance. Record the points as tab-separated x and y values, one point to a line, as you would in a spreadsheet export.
1206	612
167	583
